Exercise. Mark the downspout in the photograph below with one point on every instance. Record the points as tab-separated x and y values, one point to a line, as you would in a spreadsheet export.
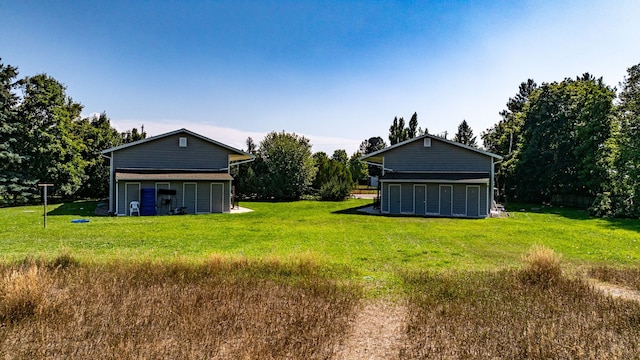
493	175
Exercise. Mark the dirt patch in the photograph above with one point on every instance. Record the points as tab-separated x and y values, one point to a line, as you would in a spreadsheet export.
377	331
616	291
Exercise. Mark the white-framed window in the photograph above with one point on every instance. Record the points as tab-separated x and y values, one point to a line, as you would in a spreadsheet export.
183	142
427	142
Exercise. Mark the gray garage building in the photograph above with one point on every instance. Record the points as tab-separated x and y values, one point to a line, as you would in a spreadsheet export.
432	176
179	170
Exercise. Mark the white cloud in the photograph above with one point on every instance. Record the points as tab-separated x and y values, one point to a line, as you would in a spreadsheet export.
229	136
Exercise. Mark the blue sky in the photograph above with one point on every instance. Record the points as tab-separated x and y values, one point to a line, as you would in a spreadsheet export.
335	72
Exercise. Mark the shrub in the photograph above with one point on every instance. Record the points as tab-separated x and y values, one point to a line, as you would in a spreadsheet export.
335	190
541	266
607	205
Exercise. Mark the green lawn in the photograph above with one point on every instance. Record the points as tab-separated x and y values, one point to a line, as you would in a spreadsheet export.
331	233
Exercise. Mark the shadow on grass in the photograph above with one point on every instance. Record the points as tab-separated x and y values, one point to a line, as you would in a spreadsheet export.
360	210
77	208
574	214
368	210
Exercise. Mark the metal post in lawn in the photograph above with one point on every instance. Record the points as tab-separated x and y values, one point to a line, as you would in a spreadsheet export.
45	186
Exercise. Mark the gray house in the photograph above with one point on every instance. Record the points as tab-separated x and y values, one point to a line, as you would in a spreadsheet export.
176	172
431	176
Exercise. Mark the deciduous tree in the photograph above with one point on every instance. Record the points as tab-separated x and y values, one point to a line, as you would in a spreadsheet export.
627	145
97	134
359	170
287	165
47	139
565	131
369	146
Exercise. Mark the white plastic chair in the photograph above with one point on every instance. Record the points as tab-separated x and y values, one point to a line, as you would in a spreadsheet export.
134	207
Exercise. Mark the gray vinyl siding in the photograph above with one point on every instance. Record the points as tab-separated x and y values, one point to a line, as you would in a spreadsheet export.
459	199
203	196
441	156
164	153
384	203
484	210
227	196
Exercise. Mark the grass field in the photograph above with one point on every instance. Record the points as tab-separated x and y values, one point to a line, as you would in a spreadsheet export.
332	233
286	281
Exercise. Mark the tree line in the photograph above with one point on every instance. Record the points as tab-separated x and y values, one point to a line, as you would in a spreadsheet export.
572	142
286	169
43	138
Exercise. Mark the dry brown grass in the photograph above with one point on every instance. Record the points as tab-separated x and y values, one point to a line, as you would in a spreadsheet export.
541	266
271	309
221	309
504	315
23	293
629	277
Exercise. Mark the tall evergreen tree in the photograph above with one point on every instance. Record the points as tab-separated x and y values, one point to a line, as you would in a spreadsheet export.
412	131
14	186
505	136
465	135
340	156
397	132
252	148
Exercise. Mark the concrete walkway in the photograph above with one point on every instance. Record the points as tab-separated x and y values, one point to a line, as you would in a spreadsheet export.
369	210
240	210
364	196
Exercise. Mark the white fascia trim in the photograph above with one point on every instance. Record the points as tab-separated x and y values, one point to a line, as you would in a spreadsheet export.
470	181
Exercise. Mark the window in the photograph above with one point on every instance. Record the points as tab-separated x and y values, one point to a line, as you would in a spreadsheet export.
427	142
183	142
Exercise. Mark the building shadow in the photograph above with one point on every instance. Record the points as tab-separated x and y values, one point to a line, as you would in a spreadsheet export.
76	208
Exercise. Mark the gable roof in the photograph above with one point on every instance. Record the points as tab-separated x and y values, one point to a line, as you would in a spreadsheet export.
235	154
376	156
